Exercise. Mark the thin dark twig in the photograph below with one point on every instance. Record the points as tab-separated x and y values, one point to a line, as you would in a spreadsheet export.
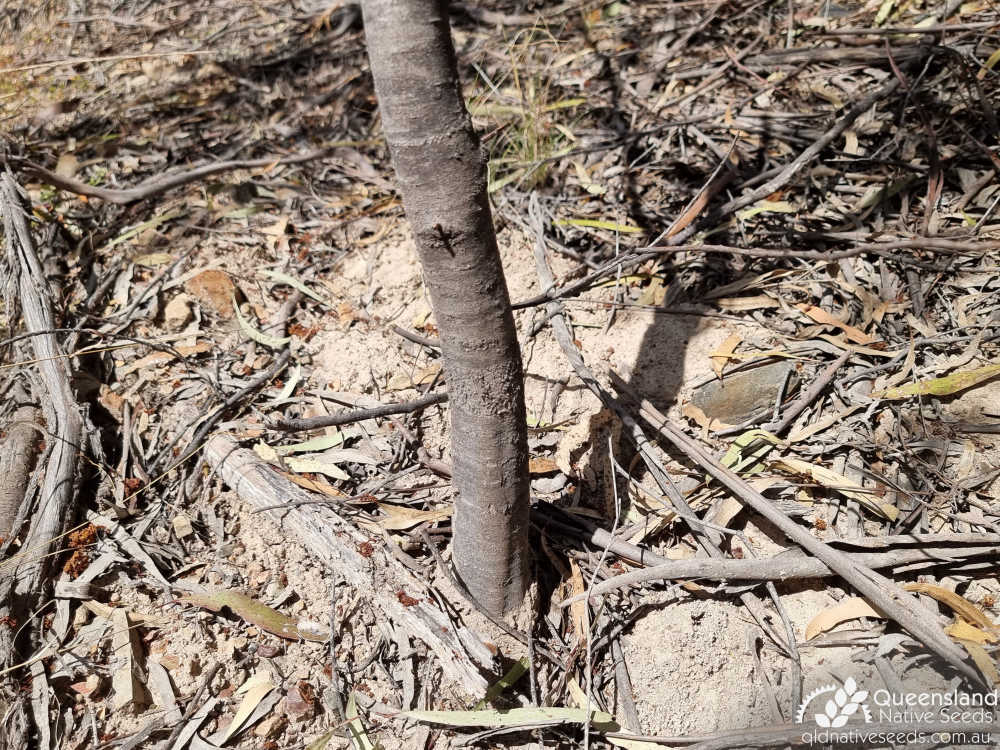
416	338
159	185
640	255
358	415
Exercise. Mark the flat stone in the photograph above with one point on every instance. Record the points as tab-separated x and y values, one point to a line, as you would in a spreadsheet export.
746	394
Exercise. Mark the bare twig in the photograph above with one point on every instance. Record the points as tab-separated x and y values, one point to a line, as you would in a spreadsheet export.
159	185
815	388
416	338
786	567
790	170
357	415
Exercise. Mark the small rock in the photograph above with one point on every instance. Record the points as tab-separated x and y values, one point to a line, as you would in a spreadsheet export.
746	394
545	485
271	727
177	313
214	290
182	526
300	701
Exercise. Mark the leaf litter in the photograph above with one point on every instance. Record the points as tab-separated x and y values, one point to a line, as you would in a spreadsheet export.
834	228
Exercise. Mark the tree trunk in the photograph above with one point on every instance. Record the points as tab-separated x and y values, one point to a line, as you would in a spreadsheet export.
441	172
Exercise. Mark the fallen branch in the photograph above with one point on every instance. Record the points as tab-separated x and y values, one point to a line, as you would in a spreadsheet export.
23	590
336	542
158	185
357	415
785	567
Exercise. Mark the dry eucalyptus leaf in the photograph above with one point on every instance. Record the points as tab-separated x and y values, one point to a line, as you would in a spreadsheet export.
982	659
960	630
399	517
839	483
253	692
850	608
956	602
949	384
745	304
255	612
314	485
822	317
316	465
405	380
720	357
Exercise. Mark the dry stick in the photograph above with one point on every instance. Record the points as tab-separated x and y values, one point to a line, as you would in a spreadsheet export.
783	567
768	60
809	396
24	586
416	338
642	254
897	604
786	174
624	684
158	185
885	30
708	540
357	415
335	542
62	412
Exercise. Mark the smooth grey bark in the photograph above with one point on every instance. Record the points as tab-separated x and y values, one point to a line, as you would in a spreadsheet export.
441	171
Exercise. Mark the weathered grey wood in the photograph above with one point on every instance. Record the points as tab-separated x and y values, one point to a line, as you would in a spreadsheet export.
17	454
23	578
787	567
335	542
61	412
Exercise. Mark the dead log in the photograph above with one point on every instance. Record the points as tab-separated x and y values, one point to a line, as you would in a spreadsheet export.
348	552
25	577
